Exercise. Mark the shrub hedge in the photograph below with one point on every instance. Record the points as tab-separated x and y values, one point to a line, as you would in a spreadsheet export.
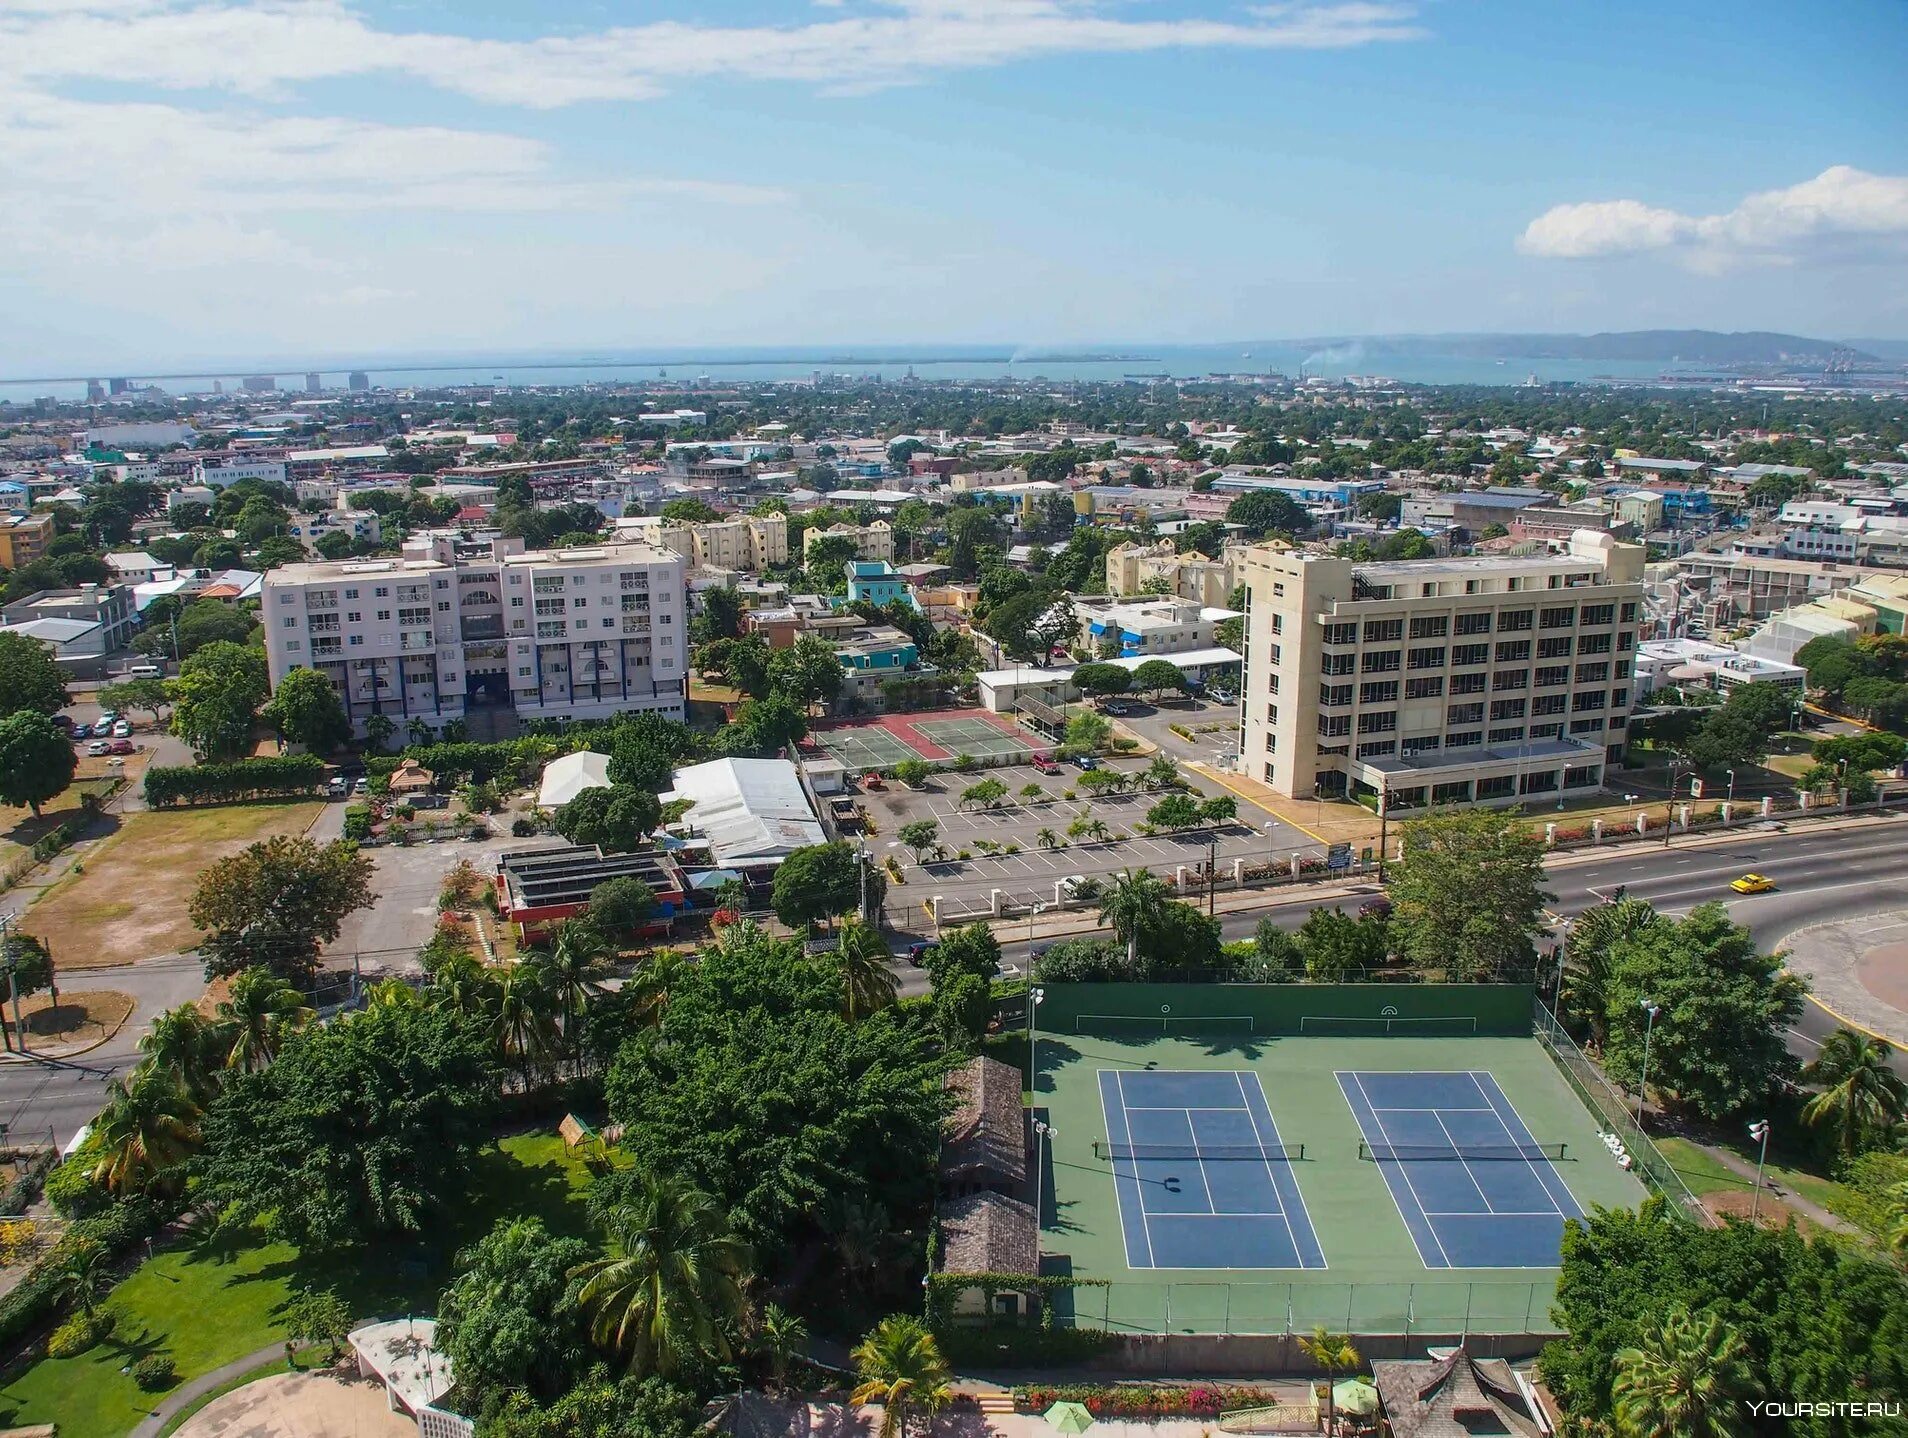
287	776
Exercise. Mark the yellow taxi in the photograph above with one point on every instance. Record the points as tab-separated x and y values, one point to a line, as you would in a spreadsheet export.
1753	884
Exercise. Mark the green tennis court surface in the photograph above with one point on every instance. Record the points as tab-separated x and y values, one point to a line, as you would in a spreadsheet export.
864	747
973	736
1295	1041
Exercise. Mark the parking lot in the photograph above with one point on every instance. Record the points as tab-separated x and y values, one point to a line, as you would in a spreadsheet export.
1030	873
1214	727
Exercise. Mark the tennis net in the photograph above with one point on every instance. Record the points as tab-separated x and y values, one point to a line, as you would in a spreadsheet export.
1206	1153
1467	1153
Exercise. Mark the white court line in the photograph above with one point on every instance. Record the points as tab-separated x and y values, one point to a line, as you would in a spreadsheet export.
1489	1207
1139	1192
1404	1173
1438	1108
1505	1213
1291	1232
1186	1108
1485	1094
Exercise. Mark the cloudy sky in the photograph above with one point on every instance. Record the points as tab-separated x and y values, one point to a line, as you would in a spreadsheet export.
215	180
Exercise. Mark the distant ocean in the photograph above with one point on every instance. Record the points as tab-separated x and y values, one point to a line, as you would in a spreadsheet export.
894	362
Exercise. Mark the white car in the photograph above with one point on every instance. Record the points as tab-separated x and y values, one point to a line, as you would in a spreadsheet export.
98	747
122	730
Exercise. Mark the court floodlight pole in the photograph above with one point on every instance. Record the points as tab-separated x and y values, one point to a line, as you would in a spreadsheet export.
1043	1134
1759	1130
1036	996
1643	1086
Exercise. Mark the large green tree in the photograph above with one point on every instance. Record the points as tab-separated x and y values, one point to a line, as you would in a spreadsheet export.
817	883
1469	896
1717	1043
509	1320
29	679
37	761
807	672
362	1128
1862	1101
216	698
616	818
900	1366
1157	676
305	709
1685	1377
272	904
756	1089
1132	903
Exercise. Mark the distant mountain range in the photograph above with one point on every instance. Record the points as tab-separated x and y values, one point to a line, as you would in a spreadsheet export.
1689	346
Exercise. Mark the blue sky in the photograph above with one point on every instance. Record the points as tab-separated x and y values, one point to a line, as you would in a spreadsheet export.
209	179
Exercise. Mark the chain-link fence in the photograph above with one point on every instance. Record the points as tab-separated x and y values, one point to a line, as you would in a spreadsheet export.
1283	1309
1613	1111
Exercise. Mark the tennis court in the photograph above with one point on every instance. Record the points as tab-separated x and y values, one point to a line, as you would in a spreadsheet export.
1206	1160
1474	1189
891	739
1202	1178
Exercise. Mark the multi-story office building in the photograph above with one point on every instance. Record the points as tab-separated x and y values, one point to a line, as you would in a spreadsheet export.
746	542
24	538
1445	681
871	541
457	624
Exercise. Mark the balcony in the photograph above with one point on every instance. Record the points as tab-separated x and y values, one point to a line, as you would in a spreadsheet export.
482	627
315	602
635	626
417	641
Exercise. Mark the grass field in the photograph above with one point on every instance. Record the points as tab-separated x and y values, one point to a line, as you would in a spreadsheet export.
20	831
204	1305
1375	1281
129	902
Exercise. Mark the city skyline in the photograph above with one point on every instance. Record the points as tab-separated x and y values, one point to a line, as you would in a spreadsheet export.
215	179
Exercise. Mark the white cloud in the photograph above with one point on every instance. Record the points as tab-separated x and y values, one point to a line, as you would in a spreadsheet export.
1842	207
261	49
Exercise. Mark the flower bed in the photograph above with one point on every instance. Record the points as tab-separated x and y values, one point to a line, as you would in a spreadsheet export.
1142	1400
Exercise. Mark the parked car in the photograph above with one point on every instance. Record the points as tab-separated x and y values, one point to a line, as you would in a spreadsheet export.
82	731
63	721
337	789
1379	908
98	747
363	786
123	746
1086	761
122	730
1114	706
1045	765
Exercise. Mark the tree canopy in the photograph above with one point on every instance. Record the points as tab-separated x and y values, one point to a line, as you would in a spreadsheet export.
1469	894
274	902
617	818
29	679
37	760
305	710
216	698
818	882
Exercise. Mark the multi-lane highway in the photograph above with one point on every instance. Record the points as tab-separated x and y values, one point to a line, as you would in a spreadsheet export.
1821	874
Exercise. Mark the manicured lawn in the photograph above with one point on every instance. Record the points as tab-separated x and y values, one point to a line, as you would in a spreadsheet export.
130	901
1705	1174
204	1304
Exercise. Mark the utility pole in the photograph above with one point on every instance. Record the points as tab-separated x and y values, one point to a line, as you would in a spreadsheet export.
1643	1084
1384	824
13	977
1212	872
1759	1130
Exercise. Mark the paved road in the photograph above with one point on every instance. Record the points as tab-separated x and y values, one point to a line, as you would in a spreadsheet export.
1826	874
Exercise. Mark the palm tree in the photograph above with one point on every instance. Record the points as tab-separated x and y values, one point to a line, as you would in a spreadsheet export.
1861	1094
780	1335
522	1025
150	1125
646	992
673	1289
1898	1219
1594	936
417	731
260	1010
1047	839
861	959
391	994
188	1048
1334	1353
901	1368
1135	901
462	985
78	1280
576	958
1684	1378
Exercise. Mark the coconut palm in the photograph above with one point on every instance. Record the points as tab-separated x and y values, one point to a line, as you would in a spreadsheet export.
392	994
901	1368
462	985
258	1013
417	731
149	1127
1047	839
1595	934
1335	1353
1861	1094
523	1017
78	1280
188	1048
1134	902
646	993
1684	1378
861	960
780	1336
1162	773
576	959
671	1292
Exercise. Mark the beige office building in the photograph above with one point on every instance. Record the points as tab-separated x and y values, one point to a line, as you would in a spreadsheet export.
456	625
1440	681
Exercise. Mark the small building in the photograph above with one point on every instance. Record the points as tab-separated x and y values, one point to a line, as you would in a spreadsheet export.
565	778
876	582
411	777
753	812
989	1233
877	647
402	1355
986	1144
540	888
1457	1396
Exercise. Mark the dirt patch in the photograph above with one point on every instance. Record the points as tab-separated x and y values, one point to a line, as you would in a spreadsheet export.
1772	1212
334	1404
1883	971
126	899
82	1016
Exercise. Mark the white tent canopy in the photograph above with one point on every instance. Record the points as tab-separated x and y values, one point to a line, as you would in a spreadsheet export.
565	778
754	811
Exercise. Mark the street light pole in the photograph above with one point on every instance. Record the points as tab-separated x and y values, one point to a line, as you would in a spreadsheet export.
1729	797
1212	872
1384	820
1043	1135
1036	996
1759	1130
1643	1087
13	973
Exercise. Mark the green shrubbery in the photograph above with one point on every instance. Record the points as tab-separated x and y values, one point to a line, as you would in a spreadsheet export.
288	776
79	1333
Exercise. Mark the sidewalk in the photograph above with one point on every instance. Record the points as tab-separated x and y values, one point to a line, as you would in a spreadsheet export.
1858	971
185	1393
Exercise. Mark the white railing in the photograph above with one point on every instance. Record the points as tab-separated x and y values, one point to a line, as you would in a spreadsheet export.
436	1423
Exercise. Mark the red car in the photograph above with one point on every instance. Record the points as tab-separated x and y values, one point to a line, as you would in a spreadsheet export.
1045	765
123	746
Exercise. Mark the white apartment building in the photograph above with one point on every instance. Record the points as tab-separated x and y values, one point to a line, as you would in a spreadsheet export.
218	476
1819	529
1130	566
872	541
1440	681
308	529
1147	627
458	624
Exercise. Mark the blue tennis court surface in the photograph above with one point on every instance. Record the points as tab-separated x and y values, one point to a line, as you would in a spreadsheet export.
1467	1177
1209	1186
